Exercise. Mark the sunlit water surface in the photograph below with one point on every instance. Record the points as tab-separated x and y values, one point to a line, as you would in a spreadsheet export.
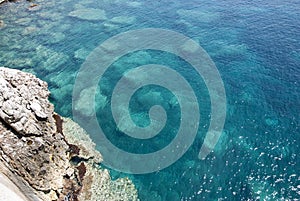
256	48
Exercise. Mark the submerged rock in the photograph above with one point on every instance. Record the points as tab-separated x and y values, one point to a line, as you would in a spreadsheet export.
271	121
198	15
215	142
49	59
134	4
88	14
110	27
25	21
81	53
118	22
2	24
46	156
85	95
30	30
123	20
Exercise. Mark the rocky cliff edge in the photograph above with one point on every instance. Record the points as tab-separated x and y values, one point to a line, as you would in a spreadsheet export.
46	156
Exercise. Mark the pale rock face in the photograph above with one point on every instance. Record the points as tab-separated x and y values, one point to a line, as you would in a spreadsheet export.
38	147
29	143
21	94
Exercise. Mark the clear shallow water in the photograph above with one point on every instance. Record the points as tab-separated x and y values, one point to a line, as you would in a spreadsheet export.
256	48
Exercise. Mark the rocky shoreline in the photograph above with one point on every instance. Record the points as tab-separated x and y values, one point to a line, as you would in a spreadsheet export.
49	157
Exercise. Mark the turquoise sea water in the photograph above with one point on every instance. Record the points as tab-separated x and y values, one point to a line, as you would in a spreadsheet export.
256	48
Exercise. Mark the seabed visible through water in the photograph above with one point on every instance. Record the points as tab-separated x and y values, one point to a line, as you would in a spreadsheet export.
256	48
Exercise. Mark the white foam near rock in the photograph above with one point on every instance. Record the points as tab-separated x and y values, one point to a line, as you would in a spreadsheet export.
89	14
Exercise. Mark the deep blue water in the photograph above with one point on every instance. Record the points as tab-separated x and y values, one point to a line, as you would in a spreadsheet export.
256	48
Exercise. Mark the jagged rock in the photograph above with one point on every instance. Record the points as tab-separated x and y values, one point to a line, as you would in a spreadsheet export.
96	182
46	156
21	98
29	143
97	185
74	134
